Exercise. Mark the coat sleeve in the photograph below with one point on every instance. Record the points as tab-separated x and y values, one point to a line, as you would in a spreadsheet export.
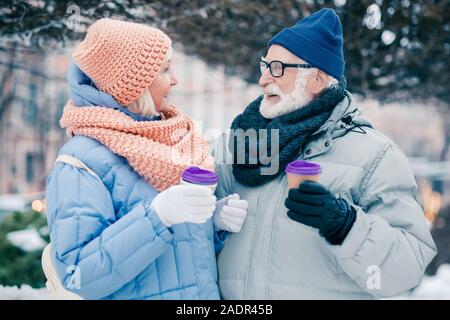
389	246
94	253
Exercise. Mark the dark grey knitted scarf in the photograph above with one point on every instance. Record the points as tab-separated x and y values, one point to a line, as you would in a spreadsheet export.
250	165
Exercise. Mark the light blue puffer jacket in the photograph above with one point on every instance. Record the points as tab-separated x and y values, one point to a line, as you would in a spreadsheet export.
106	232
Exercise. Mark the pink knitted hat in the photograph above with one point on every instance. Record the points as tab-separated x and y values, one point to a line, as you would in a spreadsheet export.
122	58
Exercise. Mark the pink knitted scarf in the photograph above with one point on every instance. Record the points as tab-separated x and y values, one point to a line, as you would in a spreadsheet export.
158	150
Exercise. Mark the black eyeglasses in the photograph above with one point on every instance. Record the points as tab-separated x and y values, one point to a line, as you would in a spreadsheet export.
277	67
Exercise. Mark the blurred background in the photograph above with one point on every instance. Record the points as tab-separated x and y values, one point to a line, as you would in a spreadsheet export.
397	56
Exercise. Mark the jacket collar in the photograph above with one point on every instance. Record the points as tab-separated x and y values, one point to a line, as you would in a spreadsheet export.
345	115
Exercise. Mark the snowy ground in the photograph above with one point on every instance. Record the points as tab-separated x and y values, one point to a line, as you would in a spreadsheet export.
25	292
436	287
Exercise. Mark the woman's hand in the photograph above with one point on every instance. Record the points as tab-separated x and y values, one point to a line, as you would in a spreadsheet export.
184	203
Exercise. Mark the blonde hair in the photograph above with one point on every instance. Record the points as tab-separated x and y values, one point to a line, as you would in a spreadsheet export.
144	105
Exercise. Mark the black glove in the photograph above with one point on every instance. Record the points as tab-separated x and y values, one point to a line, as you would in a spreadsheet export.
314	205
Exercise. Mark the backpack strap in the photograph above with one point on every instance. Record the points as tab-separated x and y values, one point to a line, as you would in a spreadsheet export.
53	284
64	158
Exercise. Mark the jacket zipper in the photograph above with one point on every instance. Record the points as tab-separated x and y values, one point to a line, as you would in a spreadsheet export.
246	279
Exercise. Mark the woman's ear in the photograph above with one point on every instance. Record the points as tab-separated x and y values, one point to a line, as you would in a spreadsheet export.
319	81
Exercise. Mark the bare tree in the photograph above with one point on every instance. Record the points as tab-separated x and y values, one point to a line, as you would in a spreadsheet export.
394	49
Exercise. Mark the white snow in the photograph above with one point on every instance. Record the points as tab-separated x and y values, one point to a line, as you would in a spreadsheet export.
12	203
18	202
388	37
25	292
434	287
27	240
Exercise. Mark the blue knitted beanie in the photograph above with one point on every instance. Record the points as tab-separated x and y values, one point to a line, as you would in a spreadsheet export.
316	39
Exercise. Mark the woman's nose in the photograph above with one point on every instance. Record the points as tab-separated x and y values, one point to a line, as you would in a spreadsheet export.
173	81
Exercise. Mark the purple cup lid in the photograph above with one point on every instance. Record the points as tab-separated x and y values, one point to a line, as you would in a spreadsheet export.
199	176
302	167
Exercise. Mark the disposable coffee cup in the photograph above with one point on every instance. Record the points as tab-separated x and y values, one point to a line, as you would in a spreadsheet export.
300	170
198	176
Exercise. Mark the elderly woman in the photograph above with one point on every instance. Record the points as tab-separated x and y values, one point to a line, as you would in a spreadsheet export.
120	225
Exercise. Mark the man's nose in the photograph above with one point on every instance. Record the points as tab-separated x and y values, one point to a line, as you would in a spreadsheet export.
265	79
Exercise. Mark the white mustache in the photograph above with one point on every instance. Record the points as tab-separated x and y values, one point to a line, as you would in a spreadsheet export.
273	89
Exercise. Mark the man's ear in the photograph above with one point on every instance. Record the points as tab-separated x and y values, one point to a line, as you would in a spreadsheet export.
318	82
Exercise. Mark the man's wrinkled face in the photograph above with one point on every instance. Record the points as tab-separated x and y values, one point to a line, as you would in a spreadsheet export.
286	93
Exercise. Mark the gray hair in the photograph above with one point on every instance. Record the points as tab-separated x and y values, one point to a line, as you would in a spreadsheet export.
332	81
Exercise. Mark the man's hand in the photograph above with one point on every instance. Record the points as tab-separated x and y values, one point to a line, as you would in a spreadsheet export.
230	213
314	205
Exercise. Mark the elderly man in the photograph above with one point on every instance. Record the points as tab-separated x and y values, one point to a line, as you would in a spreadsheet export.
359	233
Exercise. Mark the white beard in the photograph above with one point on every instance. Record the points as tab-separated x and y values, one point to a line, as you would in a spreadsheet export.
290	102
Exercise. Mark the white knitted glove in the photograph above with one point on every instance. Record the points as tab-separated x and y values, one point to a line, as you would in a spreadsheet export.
230	213
184	203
